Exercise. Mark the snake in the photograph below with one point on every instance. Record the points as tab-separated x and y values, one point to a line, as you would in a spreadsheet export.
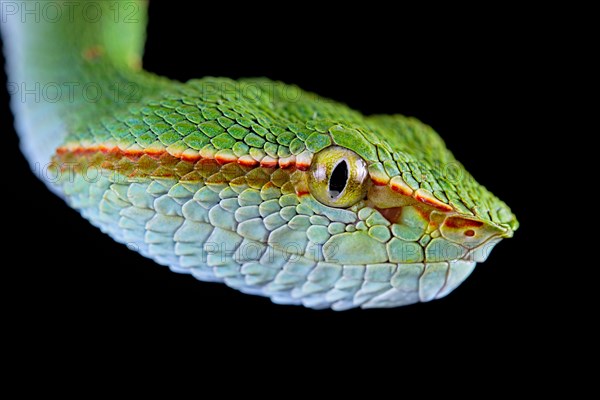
260	185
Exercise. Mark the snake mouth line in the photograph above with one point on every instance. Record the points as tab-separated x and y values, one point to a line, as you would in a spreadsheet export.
480	253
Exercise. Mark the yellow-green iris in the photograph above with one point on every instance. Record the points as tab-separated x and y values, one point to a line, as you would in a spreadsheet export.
338	177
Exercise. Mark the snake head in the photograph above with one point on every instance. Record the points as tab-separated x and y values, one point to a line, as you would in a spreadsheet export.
407	203
345	212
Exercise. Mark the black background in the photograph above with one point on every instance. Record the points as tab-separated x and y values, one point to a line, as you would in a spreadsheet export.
471	79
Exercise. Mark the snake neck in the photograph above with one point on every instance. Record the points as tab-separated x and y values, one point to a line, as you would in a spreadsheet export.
70	63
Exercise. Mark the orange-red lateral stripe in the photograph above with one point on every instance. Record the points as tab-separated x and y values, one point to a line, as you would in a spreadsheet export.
432	201
396	184
135	154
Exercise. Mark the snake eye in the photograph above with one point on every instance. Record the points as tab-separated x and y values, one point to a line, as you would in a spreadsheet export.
338	177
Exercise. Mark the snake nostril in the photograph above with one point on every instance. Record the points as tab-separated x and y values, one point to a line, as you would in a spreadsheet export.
470	233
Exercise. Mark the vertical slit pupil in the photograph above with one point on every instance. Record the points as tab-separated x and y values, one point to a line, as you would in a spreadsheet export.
338	179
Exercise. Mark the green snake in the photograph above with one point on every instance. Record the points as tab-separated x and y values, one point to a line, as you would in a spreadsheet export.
260	185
